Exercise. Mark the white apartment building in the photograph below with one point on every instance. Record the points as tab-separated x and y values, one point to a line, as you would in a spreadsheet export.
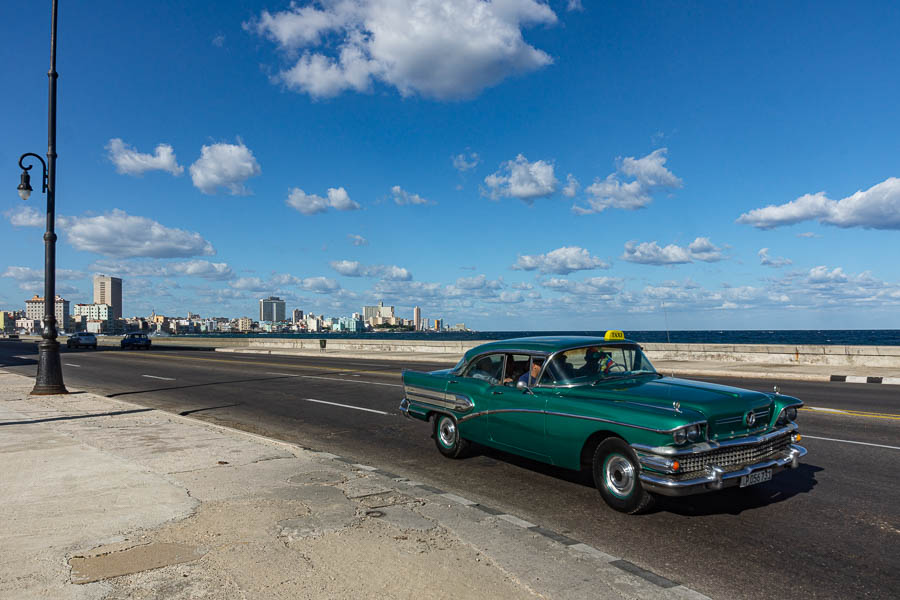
108	290
34	310
94	312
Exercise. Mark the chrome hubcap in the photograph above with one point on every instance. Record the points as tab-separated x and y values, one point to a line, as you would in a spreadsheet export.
619	476
447	432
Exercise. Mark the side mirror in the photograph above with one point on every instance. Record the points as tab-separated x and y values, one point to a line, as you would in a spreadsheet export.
521	385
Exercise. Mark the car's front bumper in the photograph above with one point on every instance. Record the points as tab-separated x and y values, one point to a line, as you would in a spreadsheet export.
717	478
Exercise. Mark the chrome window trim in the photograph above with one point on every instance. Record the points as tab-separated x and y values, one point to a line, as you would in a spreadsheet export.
710	446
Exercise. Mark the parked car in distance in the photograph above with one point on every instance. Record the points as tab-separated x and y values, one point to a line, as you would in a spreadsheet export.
82	339
9	336
135	340
597	403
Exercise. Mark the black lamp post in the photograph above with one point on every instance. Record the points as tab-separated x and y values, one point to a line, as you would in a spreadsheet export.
49	378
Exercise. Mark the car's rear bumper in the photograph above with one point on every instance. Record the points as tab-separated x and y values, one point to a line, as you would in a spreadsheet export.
716	478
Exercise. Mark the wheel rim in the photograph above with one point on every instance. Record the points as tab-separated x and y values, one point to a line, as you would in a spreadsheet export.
447	432
618	473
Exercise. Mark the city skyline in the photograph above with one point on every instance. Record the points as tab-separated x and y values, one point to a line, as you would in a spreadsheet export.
633	167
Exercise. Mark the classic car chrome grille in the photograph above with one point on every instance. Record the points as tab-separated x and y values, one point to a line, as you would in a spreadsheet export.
761	414
733	458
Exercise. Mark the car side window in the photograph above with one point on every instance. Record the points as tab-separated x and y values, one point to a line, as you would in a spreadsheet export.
516	366
487	368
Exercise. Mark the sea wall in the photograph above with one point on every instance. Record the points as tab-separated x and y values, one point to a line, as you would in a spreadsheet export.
863	356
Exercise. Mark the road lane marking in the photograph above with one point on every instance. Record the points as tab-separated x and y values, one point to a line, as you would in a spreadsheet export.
71	365
116	355
812	437
371	410
853	413
158	377
335	379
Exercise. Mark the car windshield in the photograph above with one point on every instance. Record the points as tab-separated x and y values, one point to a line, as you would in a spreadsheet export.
595	364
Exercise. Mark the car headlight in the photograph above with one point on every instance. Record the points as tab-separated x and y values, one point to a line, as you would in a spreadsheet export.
788	414
691	433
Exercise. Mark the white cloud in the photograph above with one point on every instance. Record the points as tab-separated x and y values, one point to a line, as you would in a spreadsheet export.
129	161
203	269
32	280
462	162
311	204
224	165
523	180
26	216
357	240
218	41
479	282
591	287
438	49
821	274
574	5
649	175
353	268
283	283
119	234
875	208
402	197
561	261
768	261
651	253
192	268
808	234
571	187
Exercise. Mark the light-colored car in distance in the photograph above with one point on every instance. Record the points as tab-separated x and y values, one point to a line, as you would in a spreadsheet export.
82	339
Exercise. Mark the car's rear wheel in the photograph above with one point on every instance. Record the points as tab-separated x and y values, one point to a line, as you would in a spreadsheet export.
616	470
446	437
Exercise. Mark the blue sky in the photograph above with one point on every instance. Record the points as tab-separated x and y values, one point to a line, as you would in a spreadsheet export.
519	164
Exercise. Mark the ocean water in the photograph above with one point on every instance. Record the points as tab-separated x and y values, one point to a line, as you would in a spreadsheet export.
838	337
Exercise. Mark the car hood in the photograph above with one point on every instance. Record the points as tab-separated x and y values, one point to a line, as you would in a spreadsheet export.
723	407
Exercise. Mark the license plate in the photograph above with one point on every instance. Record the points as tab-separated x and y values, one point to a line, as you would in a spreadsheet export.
754	478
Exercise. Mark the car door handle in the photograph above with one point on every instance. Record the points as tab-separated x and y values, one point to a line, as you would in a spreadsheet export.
497	393
453	381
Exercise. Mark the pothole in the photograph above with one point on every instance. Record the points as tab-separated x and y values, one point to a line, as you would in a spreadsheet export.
99	564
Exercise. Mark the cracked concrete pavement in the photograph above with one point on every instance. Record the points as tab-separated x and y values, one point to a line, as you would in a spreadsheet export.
106	499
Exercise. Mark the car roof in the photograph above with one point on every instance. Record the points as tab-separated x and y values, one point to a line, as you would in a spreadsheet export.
546	344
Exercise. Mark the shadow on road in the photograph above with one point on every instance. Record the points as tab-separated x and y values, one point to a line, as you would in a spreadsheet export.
72	417
733	501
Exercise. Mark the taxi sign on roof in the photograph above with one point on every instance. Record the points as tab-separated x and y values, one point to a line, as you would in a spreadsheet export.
614	335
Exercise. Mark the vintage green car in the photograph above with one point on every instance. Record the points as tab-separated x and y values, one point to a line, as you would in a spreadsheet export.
597	403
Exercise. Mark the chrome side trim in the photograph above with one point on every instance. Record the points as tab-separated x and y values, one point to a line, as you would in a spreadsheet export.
716	478
485	413
434	399
708	446
571	416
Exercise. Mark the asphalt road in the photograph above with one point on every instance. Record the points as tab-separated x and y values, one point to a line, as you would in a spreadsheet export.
830	529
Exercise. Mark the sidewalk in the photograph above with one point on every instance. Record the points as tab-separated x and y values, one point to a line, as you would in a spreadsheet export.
785	372
106	499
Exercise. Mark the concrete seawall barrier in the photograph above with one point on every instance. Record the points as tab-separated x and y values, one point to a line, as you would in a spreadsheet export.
784	355
838	356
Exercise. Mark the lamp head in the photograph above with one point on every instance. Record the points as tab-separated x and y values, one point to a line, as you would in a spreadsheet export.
25	186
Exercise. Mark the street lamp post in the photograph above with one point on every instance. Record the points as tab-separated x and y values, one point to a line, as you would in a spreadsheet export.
49	379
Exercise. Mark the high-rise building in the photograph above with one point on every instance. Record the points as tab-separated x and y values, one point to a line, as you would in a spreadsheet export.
296	316
373	313
417	318
108	290
34	309
271	309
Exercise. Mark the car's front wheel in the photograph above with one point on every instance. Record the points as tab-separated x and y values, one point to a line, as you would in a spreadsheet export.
446	437
616	471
